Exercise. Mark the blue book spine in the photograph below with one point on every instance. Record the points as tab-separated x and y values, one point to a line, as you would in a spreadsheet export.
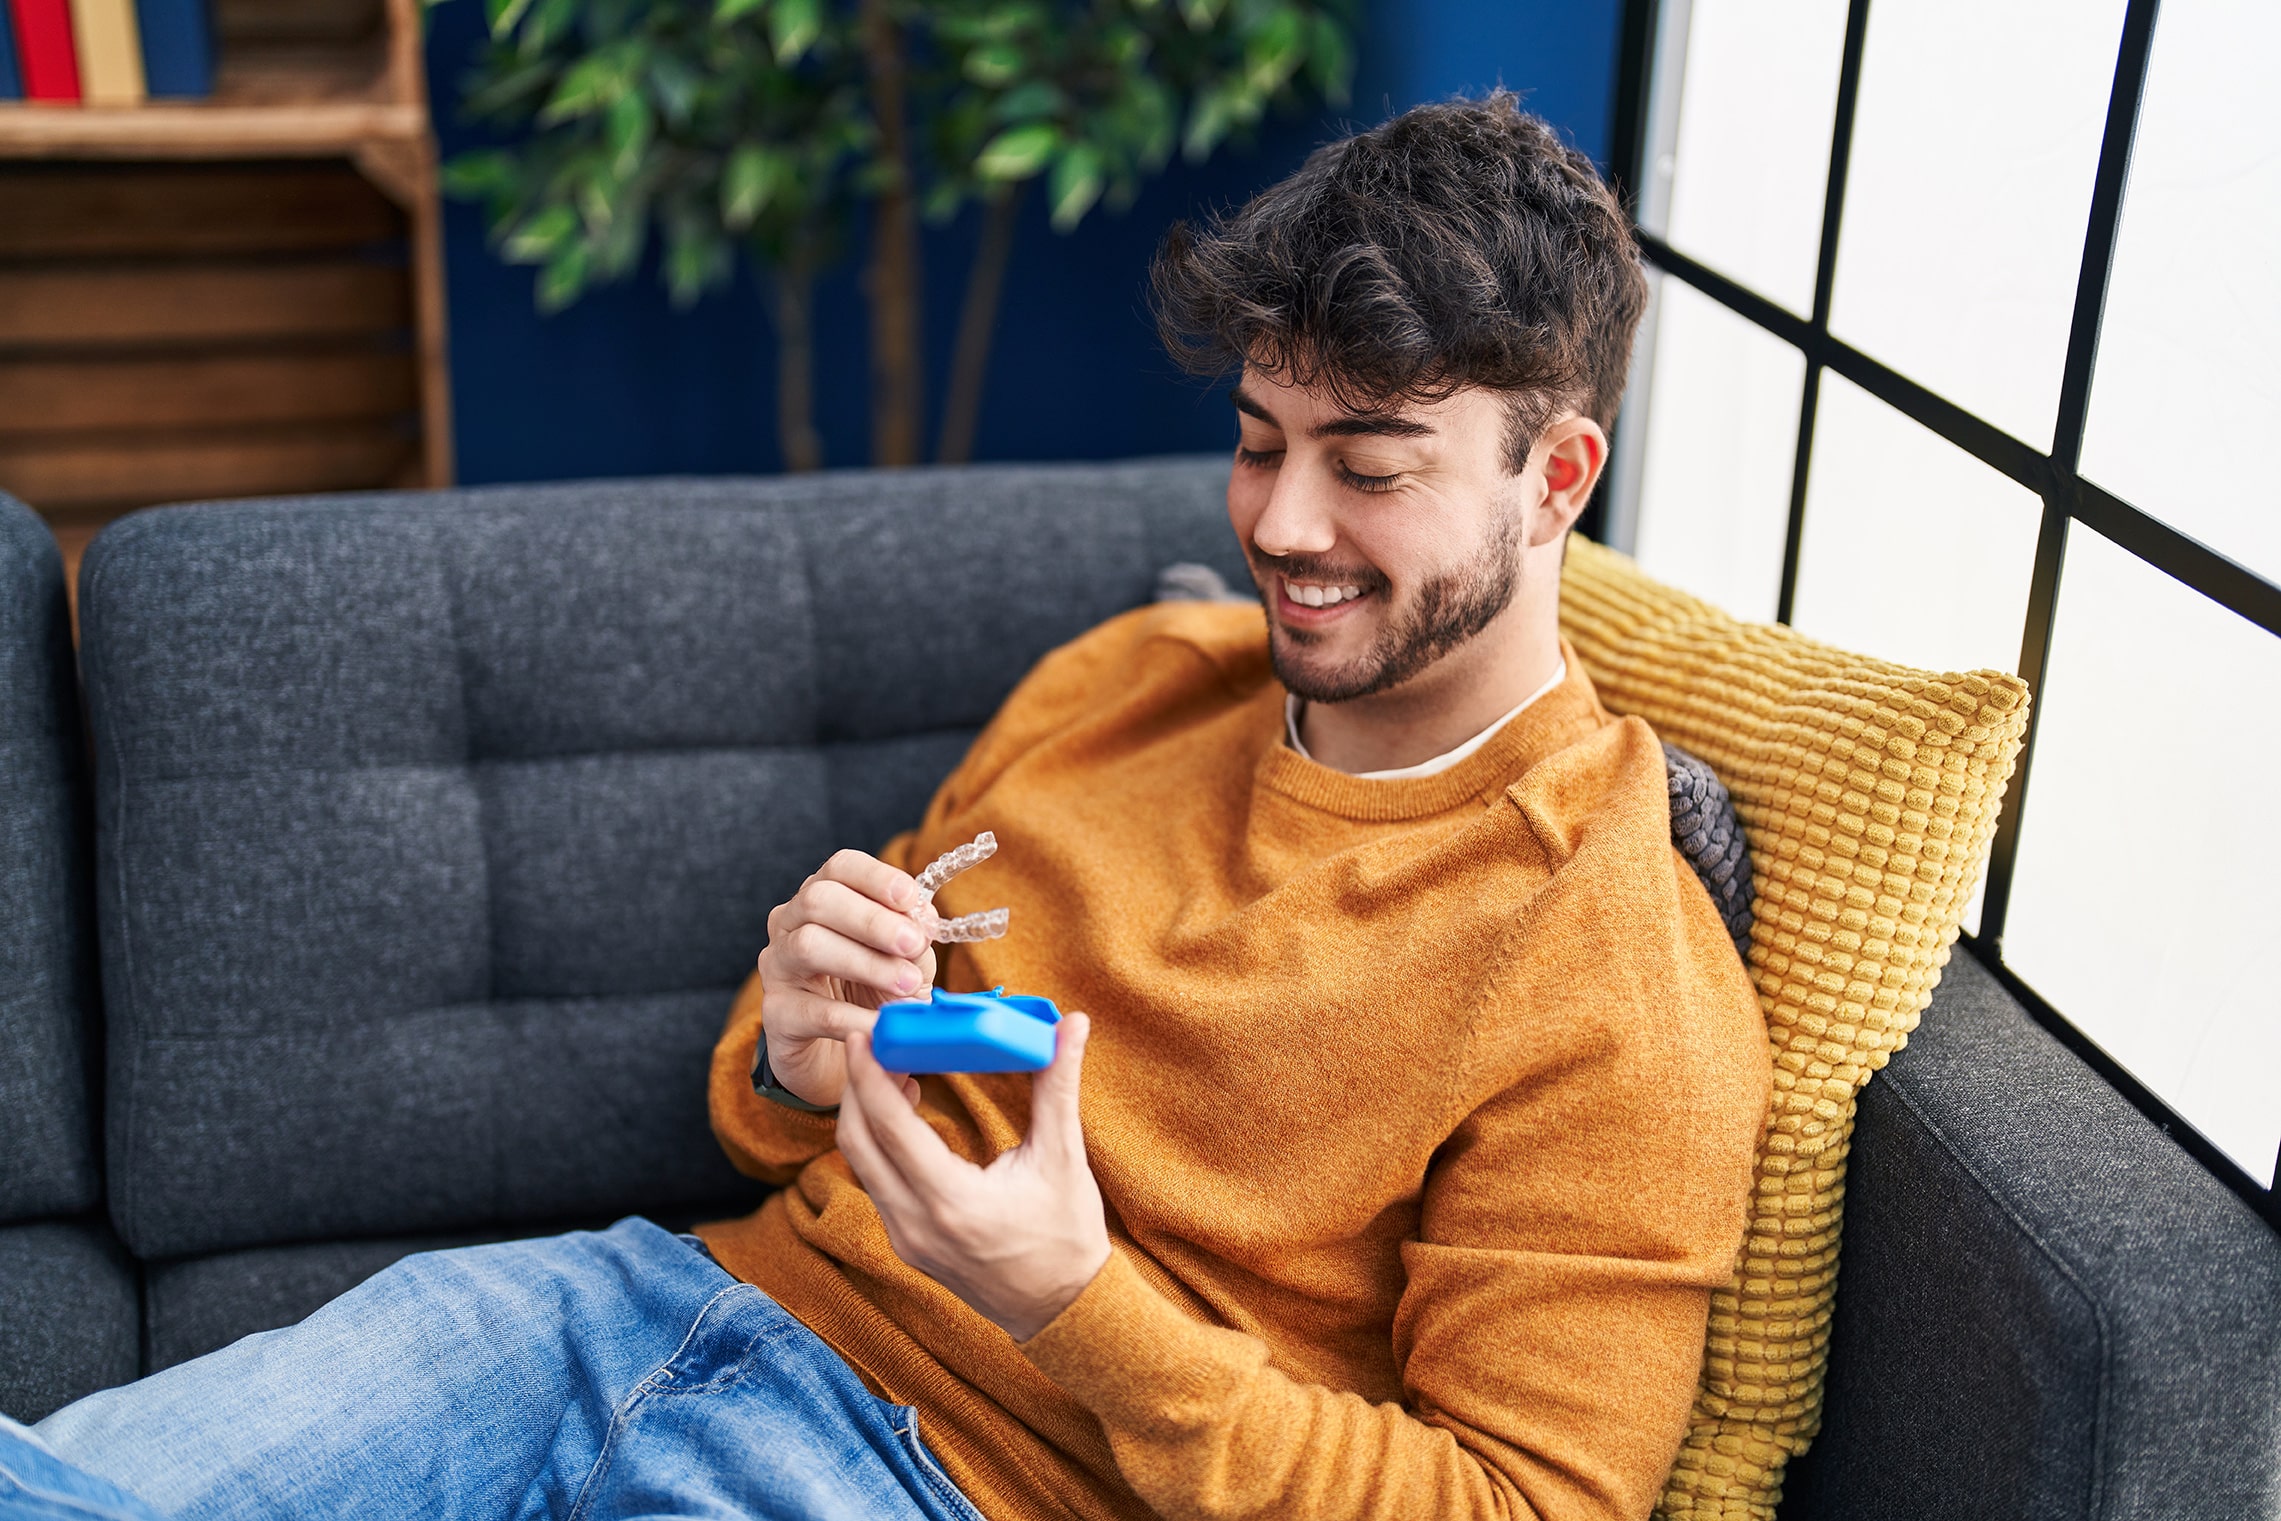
11	78
178	47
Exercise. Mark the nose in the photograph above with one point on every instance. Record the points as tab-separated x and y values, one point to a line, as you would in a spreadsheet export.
1298	519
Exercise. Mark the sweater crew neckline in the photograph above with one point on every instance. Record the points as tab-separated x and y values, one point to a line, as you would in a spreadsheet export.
1544	726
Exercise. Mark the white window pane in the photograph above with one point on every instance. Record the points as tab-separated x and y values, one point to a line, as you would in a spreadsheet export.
2144	898
1722	438
1913	550
1751	157
1967	194
2184	398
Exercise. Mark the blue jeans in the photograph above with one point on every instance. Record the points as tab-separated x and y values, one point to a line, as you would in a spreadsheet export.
588	1376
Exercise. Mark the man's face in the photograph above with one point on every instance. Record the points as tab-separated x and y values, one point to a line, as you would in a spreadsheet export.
1380	542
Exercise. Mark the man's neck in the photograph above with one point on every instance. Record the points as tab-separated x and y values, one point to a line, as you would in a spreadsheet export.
1441	708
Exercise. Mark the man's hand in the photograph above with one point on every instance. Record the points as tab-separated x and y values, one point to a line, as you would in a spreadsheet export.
842	947
1017	1240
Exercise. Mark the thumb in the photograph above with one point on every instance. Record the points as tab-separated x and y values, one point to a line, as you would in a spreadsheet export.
1054	1118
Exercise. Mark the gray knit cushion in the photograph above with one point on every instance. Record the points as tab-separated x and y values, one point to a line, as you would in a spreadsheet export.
1707	833
47	942
435	831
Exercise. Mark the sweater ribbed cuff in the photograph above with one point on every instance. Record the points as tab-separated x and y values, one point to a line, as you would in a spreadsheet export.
1129	1355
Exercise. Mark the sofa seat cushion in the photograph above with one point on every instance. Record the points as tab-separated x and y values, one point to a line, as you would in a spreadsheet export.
70	1313
199	1305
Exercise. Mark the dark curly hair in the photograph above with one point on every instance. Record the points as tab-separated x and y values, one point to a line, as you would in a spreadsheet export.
1458	244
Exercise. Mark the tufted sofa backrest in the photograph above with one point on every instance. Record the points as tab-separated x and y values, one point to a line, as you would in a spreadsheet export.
436	831
48	1163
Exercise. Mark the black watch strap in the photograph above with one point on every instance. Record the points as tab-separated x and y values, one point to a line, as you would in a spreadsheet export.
764	1083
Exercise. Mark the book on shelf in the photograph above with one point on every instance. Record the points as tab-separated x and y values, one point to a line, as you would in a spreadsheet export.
110	52
178	48
45	57
11	82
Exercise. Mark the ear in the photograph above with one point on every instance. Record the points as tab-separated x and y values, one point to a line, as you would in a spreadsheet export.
1573	452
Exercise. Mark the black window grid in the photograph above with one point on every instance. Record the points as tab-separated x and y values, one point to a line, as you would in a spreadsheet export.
2066	496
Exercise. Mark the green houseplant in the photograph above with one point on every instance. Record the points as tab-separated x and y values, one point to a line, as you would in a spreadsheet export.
763	127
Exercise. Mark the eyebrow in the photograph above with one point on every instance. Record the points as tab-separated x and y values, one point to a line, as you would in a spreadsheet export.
1351	425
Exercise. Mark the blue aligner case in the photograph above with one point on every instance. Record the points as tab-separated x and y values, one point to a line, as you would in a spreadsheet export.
966	1032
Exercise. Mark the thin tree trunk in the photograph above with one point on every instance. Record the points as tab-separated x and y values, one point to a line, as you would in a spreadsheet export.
892	281
796	436
977	320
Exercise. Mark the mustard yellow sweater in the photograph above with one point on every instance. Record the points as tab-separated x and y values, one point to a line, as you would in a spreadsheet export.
1424	1111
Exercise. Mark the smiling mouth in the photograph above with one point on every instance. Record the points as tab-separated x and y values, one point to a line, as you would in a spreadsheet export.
1318	595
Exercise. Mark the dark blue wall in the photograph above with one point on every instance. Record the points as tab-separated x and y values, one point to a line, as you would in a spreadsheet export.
622	384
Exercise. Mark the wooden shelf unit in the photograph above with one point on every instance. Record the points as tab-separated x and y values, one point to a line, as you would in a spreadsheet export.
241	295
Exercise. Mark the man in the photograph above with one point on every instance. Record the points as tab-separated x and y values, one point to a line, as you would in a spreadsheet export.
1411	1127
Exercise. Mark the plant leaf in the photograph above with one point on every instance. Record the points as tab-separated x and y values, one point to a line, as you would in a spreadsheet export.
503	14
1018	152
1076	184
1208	123
548	20
1029	100
696	259
591	84
564	278
674	86
793	27
1330	60
627	130
539	238
472	176
754	175
1273	53
994	64
729	10
941	202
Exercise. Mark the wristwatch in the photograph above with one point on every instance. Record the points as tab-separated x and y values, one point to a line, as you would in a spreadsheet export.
764	1083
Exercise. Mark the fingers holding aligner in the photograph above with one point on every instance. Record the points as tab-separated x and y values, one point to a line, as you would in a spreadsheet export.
846	924
836	950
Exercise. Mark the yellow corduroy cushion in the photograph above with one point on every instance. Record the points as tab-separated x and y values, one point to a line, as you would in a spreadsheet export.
1868	793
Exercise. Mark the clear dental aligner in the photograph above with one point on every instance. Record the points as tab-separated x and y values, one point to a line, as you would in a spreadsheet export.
987	925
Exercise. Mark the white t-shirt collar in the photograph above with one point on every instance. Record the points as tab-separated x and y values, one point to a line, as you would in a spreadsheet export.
1441	762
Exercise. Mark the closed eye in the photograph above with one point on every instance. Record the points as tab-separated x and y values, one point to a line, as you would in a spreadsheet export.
1367	482
1261	459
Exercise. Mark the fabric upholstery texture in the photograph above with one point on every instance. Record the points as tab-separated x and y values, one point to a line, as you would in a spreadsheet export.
202	1304
435	833
2047	1310
1868	793
47	962
1707	832
67	1315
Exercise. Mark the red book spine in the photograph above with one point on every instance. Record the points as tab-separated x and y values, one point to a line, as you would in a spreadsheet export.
43	38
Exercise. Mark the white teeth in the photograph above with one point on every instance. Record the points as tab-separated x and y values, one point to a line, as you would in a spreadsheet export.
1308	595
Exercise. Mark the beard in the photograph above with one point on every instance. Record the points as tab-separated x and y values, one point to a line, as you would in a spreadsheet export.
1448	609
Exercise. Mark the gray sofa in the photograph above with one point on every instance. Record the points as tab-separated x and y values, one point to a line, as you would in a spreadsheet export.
432	833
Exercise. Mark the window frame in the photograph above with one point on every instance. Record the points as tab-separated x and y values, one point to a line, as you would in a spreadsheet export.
1646	43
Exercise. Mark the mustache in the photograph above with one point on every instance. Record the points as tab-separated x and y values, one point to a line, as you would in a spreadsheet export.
1319	568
